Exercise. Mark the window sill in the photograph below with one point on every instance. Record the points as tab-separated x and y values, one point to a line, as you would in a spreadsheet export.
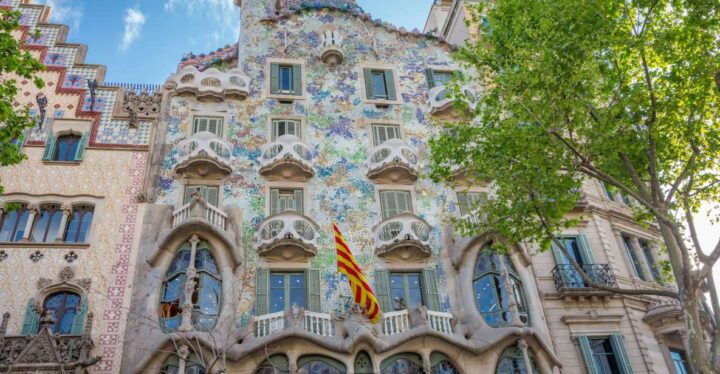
67	163
43	245
381	102
286	97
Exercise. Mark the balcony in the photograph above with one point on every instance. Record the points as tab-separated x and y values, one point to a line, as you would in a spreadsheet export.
211	84
441	103
204	155
398	322
570	284
392	162
288	159
199	208
312	322
46	352
287	236
404	237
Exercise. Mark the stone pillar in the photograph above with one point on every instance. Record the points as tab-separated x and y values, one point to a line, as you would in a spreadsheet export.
66	212
641	257
508	284
522	344
183	352
4	325
426	361
34	210
190	282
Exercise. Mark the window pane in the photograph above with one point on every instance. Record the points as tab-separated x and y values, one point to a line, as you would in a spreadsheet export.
297	290
38	230
20	227
286	78
415	290
285	127
397	292
679	361
66	147
604	356
277	292
8	226
442	77
63	306
637	267
379	88
208	305
85	227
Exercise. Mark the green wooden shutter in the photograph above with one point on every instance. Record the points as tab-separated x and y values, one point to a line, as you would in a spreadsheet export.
382	290
274	78
560	257
621	353
297	79
212	194
585	249
298	197
49	147
430	75
367	73
274	197
79	321
81	146
404	202
390	84
262	282
587	355
32	319
430	289
313	290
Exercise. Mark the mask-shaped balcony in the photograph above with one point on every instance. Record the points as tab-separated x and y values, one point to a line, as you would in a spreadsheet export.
287	158
392	162
204	155
404	237
287	236
441	103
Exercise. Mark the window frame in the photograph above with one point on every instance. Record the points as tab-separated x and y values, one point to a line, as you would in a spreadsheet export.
272	134
374	138
286	96
495	275
376	67
208	117
382	189
483	196
56	213
84	207
635	265
218	194
285	186
406	286
19	223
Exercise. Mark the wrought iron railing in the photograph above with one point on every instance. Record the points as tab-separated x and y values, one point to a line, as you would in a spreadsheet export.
566	277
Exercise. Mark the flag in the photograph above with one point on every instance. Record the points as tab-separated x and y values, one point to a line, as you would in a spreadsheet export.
362	293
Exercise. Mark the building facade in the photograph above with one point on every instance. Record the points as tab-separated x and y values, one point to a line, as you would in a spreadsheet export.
187	228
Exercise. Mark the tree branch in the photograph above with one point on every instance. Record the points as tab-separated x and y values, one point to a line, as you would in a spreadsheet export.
642	188
683	174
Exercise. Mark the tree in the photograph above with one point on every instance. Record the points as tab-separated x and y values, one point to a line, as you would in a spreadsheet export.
626	92
14	62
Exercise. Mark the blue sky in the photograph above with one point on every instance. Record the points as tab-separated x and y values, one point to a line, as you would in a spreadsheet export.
141	41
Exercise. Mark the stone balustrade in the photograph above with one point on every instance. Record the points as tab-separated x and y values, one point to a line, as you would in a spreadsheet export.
286	158
312	322
211	213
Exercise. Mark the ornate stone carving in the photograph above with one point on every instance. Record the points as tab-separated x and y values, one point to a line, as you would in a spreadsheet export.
71	257
66	274
141	105
36	256
43	282
3	255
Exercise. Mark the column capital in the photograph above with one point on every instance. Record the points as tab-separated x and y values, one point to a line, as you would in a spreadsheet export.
33	208
66	209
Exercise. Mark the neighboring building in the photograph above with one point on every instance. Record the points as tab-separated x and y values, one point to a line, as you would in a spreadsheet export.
448	20
199	231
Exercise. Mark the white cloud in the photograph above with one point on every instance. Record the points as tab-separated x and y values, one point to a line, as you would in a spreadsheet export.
134	21
222	13
68	12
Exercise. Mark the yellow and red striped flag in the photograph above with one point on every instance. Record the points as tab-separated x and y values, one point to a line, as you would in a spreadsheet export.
362	293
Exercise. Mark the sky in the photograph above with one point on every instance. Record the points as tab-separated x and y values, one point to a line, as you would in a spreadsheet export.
142	41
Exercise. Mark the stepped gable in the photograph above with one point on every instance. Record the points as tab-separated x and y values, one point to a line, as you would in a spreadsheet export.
66	85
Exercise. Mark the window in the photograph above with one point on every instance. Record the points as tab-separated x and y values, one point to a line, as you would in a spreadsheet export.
467	201
393	203
609	190
402	290
440	364
282	199
491	296
193	365
65	307
286	290
78	225
282	127
579	250
12	224
406	290
637	266
379	84
65	148
208	193
276	291
209	124
436	78
403	363
320	364
47	223
605	355
285	79
363	363
206	296
647	251
512	361
679	360
383	133
275	364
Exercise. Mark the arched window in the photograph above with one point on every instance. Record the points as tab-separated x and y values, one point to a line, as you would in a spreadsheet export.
440	364
403	363
363	363
205	297
276	364
320	365
512	362
66	148
491	295
79	223
47	223
193	365
12	224
65	307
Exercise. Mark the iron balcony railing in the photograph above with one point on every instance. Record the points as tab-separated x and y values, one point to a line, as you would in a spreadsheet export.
566	277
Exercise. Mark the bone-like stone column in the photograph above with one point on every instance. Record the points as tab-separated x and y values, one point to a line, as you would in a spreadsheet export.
522	344
190	282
